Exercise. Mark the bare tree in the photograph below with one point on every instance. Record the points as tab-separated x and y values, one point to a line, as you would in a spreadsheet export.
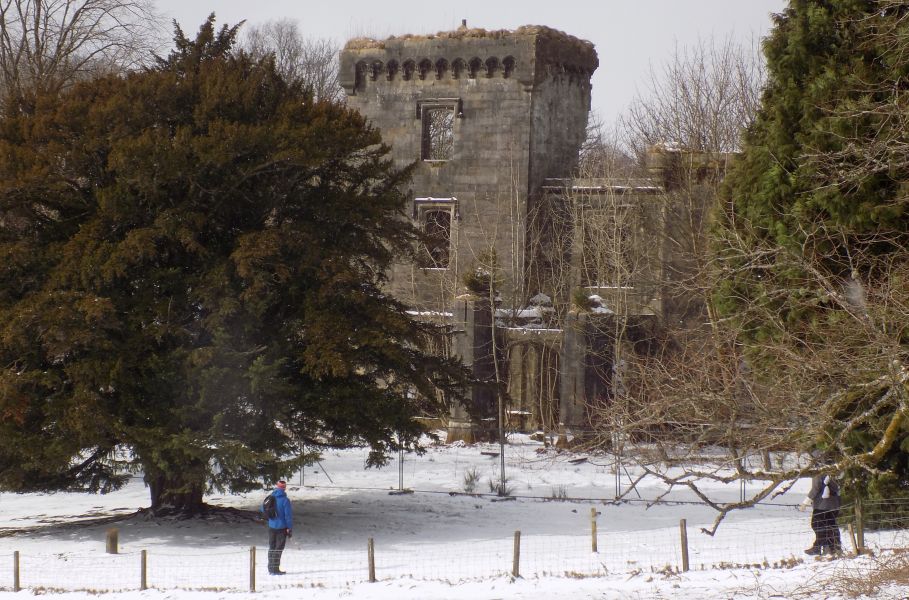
702	384
699	101
311	62
46	45
674	375
602	154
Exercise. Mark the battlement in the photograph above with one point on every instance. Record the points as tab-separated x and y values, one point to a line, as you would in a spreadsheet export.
530	54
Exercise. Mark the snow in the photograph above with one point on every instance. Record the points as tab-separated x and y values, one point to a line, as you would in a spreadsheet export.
540	299
436	542
523	313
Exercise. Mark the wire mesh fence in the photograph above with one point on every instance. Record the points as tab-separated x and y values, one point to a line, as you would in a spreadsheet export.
771	542
210	571
529	464
884	524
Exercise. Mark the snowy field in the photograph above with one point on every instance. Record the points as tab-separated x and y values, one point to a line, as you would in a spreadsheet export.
436	542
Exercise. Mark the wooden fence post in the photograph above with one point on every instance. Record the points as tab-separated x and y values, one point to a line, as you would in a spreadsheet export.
683	530
593	528
16	587
516	561
371	557
252	568
850	527
143	573
113	535
859	526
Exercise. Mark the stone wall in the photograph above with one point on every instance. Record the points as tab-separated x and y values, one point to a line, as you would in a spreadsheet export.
517	103
521	100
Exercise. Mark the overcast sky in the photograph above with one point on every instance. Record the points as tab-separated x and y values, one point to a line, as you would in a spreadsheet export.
630	35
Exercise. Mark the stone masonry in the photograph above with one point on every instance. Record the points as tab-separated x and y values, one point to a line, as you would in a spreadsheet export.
518	103
486	117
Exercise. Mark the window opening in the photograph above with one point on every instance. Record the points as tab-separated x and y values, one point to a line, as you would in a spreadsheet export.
438	132
437	240
606	254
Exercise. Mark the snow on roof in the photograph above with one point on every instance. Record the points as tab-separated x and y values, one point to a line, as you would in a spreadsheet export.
537	330
541	300
524	313
428	313
603	184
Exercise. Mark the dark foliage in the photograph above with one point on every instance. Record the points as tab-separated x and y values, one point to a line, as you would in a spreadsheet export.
819	295
191	282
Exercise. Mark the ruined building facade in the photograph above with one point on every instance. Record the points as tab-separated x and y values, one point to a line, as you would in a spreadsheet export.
493	122
488	117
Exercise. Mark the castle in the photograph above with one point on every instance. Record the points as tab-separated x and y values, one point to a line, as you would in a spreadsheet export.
493	122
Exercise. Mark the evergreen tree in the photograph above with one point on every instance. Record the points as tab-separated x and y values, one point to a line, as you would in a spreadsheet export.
814	248
191	282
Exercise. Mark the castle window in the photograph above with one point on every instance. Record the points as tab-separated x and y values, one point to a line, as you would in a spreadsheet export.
425	68
438	131
607	259
508	64
473	67
435	217
360	71
392	68
492	66
458	66
441	68
407	70
375	69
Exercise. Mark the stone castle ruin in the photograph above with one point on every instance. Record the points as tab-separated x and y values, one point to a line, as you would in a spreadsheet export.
493	122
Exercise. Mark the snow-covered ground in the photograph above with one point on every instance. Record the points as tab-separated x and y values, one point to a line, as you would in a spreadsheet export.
434	543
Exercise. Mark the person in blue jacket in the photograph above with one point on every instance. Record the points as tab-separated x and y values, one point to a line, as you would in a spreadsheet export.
279	528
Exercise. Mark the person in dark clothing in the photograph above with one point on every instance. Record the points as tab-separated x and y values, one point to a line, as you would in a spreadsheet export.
824	500
279	528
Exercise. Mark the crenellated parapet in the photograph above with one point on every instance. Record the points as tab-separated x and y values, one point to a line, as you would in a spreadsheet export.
530	54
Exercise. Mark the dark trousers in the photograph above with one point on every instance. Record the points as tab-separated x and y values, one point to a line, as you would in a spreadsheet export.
277	539
826	532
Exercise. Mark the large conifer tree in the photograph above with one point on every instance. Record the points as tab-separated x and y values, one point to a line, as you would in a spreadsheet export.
815	247
190	282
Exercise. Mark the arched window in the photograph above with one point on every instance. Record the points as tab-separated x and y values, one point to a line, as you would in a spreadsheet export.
425	68
508	64
473	67
441	68
492	66
360	71
375	69
407	69
391	69
458	66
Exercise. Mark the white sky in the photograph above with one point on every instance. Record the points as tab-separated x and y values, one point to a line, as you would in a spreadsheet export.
630	35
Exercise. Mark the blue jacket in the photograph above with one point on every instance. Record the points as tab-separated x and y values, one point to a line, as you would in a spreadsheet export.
285	518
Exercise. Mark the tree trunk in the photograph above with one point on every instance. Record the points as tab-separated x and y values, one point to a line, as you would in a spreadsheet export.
174	495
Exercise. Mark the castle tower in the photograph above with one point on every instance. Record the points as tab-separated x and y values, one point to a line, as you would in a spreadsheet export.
486	116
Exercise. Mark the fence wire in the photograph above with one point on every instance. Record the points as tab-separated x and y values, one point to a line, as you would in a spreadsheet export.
780	543
777	540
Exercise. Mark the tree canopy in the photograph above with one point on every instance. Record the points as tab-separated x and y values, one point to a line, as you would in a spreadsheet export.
814	233
191	282
47	45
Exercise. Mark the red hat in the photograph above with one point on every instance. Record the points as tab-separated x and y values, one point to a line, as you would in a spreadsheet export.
282	484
